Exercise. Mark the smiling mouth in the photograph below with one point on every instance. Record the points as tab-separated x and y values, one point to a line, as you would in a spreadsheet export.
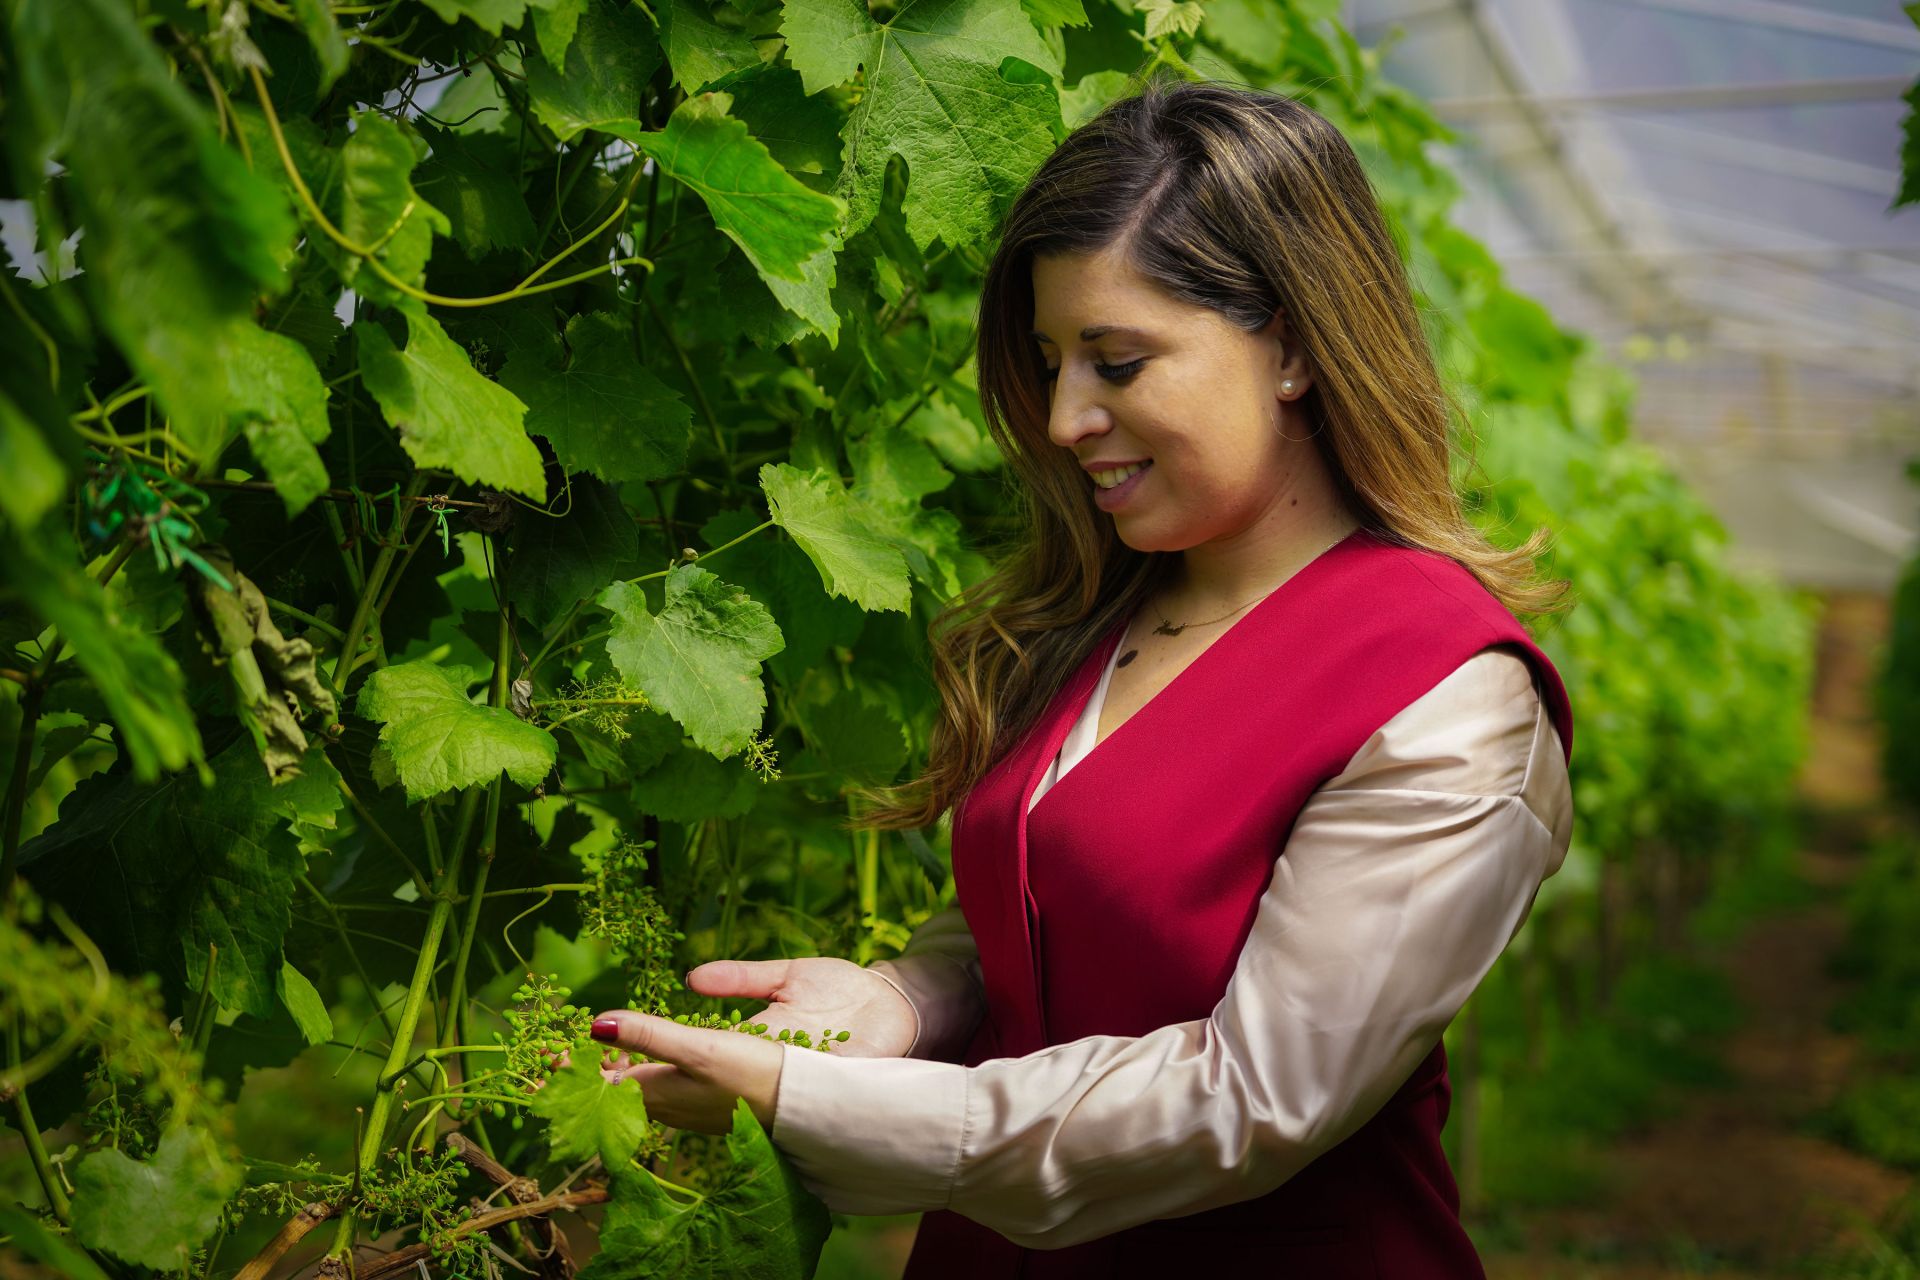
1119	475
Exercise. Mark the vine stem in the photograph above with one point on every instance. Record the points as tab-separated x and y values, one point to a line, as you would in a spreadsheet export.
376	577
489	842
374	1135
30	1133
367	254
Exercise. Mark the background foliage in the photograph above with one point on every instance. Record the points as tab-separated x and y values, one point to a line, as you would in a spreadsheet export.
480	472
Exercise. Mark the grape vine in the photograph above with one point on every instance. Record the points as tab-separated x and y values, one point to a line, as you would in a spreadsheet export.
457	557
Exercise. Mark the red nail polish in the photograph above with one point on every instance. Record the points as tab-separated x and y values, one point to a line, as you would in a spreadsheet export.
605	1030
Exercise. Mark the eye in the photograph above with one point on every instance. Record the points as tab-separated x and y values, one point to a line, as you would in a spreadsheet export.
1111	372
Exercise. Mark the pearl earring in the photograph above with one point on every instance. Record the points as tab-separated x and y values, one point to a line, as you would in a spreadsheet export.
1286	386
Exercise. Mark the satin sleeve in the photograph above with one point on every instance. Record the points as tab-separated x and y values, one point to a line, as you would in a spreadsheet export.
939	974
1403	879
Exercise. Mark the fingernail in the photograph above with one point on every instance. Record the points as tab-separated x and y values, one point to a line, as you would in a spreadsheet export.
604	1029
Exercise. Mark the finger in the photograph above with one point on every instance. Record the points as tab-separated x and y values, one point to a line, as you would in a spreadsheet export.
658	1038
760	978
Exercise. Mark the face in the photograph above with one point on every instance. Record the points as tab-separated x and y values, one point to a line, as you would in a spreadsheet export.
1137	375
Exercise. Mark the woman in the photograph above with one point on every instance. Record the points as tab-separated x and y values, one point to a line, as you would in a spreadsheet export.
1257	773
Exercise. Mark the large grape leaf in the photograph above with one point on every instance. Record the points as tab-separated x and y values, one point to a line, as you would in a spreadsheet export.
839	535
778	221
447	413
557	561
610	58
474	179
282	405
139	683
160	874
180	233
587	1116
440	740
489	15
934	96
154	1213
757	1223
802	133
601	409
699	658
378	209
699	49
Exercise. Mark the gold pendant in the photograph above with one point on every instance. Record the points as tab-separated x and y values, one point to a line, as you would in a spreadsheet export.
1168	629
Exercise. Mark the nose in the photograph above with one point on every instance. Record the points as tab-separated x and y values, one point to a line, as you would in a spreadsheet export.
1074	408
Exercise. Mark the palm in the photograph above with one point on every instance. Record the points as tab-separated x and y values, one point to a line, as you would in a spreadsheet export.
814	994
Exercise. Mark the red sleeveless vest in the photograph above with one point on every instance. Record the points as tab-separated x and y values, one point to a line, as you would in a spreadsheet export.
1122	902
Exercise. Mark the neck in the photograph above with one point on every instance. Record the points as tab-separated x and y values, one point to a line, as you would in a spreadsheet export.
1226	572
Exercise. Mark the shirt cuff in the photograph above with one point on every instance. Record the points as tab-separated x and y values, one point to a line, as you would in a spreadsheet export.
872	1135
946	999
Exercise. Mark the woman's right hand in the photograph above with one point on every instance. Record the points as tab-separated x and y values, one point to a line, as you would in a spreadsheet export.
814	993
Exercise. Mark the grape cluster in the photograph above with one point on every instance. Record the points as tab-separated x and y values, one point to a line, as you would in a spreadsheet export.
623	909
731	1021
543	1025
427	1194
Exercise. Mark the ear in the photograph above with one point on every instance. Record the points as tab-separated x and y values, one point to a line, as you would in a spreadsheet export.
1290	362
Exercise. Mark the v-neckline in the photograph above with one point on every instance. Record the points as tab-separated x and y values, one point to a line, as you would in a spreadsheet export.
1112	642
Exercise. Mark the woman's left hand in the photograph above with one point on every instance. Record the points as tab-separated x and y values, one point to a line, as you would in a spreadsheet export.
697	1073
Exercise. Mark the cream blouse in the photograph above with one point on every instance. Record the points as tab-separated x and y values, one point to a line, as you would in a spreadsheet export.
1403	879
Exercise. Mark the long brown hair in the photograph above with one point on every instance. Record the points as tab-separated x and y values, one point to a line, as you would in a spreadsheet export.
1238	200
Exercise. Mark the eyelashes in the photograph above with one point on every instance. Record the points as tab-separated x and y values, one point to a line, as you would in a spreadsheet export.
1111	372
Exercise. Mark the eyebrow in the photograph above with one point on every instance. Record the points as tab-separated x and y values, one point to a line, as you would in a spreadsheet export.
1091	332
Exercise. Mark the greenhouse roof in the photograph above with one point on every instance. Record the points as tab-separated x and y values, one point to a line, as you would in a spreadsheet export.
1702	187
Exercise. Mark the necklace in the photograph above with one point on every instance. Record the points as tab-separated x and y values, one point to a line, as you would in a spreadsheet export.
1168	628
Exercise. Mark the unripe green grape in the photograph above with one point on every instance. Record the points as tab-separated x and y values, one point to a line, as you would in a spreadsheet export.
844	1035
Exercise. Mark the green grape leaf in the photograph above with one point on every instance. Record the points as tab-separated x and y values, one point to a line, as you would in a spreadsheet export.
439	740
758	1222
600	408
447	413
779	574
557	561
139	683
379	209
491	16
1056	13
304	1003
698	48
282	404
1171	17
894	466
857	737
154	1214
778	221
935	96
180	233
554	22
36	478
587	1116
315	18
160	875
604	75
802	133
690	785
471	177
838	533
698	659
